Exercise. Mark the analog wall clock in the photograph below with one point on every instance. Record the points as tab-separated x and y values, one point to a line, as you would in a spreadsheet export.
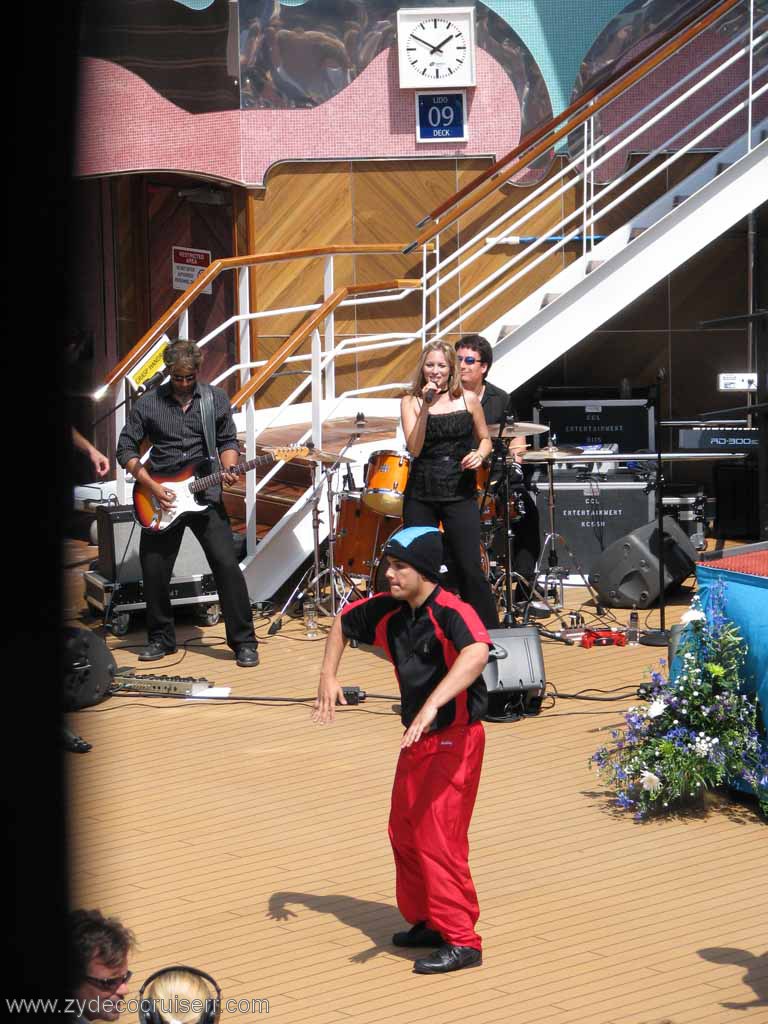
436	46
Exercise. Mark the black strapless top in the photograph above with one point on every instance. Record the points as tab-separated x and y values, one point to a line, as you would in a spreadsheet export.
436	474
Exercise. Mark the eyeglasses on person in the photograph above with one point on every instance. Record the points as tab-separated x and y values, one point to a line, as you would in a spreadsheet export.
110	984
183	378
469	360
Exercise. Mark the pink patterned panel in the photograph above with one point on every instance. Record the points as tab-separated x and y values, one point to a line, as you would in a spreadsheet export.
125	126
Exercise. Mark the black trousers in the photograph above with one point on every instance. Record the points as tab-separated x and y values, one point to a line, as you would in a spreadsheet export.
158	552
526	545
461	530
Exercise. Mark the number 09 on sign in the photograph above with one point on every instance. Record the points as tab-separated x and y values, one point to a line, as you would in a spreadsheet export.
441	116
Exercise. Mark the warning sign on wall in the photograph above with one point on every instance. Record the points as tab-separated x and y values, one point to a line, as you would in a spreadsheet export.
187	264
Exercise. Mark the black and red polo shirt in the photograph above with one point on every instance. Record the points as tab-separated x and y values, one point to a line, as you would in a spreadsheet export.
422	645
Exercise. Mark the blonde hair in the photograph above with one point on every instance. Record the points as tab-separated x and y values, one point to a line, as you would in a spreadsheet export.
178	996
454	380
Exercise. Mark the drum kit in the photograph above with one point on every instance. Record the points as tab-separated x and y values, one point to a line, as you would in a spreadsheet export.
365	517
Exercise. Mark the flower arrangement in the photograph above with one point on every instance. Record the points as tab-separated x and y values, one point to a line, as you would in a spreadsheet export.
697	730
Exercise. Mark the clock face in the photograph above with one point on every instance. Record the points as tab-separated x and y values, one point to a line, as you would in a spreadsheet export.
436	46
436	49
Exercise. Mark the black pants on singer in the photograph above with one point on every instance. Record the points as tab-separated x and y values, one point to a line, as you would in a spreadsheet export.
158	552
461	530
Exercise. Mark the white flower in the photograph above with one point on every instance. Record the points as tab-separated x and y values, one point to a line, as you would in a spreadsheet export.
650	781
692	615
656	708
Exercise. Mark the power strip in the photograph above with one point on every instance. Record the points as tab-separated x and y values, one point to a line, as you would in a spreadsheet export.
185	685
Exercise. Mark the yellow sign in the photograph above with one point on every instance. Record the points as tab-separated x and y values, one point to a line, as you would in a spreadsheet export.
152	363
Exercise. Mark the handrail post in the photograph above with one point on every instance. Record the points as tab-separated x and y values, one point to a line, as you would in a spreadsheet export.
121	481
584	180
250	478
317	418
437	285
750	73
330	330
244	326
424	301
184	323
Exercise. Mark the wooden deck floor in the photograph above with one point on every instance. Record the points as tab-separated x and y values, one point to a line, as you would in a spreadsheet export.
244	840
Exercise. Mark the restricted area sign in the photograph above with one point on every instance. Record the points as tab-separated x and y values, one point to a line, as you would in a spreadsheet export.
441	116
187	264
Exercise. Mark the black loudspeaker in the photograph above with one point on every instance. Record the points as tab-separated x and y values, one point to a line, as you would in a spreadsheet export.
626	574
89	669
118	537
150	1010
514	675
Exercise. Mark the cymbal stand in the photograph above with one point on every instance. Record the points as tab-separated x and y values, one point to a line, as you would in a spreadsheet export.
311	579
553	578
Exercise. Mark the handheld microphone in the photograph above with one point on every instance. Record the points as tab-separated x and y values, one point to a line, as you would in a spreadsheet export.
154	380
429	395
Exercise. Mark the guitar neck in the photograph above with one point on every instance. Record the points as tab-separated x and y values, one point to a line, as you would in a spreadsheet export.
204	482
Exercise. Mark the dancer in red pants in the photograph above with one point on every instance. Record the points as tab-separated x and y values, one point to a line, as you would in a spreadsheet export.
439	648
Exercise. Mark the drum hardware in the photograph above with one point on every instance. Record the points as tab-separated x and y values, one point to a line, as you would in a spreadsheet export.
553	578
517	428
310	581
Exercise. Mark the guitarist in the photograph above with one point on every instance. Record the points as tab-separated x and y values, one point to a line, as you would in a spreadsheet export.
170	417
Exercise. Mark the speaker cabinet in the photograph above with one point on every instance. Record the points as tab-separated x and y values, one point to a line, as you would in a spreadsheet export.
89	669
118	539
626	574
514	674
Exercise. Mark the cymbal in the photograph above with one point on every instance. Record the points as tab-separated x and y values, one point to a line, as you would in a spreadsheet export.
517	428
551	454
318	455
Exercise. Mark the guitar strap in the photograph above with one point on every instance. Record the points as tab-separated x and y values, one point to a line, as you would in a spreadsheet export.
209	423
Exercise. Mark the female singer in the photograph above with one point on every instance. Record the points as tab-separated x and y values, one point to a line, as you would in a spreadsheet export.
447	436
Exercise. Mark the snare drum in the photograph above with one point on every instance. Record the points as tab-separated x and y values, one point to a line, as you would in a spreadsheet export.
360	533
385	478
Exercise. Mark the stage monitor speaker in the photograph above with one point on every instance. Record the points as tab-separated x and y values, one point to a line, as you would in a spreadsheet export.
514	675
626	575
118	538
89	669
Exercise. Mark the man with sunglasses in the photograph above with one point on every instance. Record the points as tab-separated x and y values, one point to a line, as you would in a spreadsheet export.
475	358
171	418
99	949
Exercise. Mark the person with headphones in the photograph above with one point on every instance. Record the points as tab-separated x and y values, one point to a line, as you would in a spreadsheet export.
179	995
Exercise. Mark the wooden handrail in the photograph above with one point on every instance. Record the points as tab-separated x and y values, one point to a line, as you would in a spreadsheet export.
291	344
541	139
211	272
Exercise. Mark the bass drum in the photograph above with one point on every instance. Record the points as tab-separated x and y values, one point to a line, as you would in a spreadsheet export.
360	534
380	583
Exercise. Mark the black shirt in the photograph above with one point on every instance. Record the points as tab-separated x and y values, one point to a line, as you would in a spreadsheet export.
422	644
177	437
494	403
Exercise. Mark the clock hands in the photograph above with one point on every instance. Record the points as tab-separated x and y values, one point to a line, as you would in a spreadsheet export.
439	47
433	49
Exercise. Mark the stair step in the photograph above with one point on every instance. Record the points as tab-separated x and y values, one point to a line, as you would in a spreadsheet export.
677	200
505	330
722	166
635	232
550	297
593	265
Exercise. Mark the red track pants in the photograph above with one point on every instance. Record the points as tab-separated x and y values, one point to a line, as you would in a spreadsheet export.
432	801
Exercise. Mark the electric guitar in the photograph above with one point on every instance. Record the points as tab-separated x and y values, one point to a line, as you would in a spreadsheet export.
187	485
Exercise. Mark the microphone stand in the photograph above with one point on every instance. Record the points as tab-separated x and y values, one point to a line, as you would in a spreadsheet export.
658	637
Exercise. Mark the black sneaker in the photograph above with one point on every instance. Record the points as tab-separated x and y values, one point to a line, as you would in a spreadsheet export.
247	656
448	958
154	651
419	935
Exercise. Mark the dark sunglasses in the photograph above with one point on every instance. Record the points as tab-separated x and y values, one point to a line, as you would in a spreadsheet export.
469	360
110	984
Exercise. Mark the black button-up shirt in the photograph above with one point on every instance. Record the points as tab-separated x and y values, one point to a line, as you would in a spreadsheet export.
422	644
494	403
176	436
